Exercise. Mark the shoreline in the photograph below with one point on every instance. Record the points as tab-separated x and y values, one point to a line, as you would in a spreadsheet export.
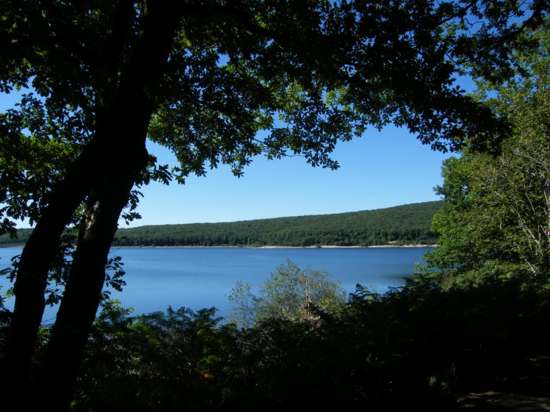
383	246
412	245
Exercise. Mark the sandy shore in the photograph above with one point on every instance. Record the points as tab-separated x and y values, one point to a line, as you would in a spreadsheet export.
6	245
280	247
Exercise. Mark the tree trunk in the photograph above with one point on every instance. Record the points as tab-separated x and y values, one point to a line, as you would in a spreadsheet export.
31	279
130	114
123	161
83	289
42	246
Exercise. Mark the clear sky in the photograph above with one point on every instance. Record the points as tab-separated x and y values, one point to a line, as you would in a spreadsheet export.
380	169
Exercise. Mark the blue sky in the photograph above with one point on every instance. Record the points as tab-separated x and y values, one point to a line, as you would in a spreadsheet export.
380	169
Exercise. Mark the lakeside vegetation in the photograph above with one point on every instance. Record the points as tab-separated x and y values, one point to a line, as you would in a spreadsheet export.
420	347
405	224
417	348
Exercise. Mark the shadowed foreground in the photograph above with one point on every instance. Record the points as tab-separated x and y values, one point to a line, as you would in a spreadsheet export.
481	348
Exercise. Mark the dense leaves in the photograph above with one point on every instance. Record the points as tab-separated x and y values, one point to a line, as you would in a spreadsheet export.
401	224
496	211
411	349
238	69
290	293
36	146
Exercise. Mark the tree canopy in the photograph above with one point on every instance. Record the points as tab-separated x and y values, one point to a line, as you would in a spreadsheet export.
496	210
236	69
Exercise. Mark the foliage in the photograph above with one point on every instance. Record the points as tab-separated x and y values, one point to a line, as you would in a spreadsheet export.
417	348
396	225
290	293
271	74
36	145
496	212
145	359
244	311
4	318
400	224
114	273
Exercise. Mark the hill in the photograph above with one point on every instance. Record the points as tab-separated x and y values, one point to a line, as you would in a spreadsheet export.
395	225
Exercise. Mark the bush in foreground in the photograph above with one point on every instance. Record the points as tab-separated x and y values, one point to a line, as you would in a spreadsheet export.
414	348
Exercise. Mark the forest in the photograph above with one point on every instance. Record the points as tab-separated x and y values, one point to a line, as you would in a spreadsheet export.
399	225
406	224
220	83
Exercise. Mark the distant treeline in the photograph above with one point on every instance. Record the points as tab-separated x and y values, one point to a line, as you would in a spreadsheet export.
395	225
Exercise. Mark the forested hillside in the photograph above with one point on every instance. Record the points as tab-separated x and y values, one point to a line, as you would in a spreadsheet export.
400	224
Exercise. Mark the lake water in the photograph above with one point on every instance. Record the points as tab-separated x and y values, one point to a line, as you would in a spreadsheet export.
203	277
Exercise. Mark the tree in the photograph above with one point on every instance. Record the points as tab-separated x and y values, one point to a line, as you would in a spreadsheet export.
243	313
290	293
203	78
496	215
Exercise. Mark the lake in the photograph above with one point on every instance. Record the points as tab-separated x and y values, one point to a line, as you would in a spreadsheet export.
203	277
